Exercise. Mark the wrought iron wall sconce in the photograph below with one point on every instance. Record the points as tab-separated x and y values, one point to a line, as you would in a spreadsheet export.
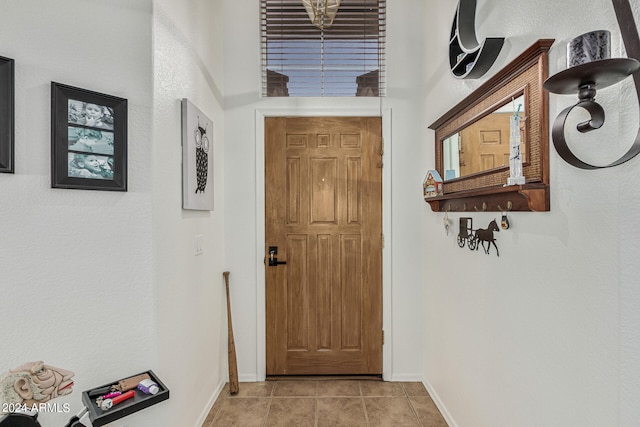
585	78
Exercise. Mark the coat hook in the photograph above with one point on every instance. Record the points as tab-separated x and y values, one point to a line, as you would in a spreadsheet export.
484	207
509	207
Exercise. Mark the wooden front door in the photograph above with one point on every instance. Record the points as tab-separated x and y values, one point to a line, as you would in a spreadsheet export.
323	212
485	144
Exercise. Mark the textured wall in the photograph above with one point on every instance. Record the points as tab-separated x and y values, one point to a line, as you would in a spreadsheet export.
76	265
546	334
107	284
189	289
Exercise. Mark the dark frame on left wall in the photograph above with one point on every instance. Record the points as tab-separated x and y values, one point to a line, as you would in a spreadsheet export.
88	139
7	115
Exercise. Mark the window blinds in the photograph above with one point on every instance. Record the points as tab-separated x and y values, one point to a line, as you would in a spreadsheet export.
346	59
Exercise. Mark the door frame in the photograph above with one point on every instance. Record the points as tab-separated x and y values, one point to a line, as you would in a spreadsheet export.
261	315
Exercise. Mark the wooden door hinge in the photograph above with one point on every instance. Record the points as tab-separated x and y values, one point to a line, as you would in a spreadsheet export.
383	337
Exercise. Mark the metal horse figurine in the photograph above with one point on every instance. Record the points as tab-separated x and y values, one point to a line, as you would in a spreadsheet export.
486	235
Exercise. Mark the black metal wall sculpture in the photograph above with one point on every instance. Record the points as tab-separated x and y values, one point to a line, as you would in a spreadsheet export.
465	235
474	238
468	58
586	78
486	235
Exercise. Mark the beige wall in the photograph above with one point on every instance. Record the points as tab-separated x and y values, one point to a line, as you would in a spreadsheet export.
106	284
76	265
188	289
546	334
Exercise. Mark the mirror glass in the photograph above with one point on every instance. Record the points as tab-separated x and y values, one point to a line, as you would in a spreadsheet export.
484	144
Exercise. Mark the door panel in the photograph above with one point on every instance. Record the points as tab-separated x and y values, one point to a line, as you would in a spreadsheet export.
324	192
323	210
485	144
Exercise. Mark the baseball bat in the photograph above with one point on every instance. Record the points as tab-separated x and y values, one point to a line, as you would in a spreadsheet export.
233	364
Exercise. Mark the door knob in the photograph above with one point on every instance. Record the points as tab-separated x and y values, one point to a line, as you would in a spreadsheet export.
273	260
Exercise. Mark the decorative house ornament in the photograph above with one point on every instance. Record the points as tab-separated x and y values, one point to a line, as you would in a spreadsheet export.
321	12
432	185
595	70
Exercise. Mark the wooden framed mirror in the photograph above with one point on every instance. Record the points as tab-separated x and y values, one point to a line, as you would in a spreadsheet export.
472	145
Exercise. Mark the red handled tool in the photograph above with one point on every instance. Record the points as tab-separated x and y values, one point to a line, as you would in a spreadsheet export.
108	403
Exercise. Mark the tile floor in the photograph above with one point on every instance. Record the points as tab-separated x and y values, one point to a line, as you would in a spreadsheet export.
348	403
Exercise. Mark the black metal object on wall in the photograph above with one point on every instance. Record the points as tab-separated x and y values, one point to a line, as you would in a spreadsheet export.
475	238
587	77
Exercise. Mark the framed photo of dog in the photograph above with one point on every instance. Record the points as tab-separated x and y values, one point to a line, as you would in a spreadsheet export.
88	139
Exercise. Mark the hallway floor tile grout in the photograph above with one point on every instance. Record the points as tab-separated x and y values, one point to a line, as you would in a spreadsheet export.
325	403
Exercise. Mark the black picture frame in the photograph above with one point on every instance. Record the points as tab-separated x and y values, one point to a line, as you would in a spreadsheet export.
88	139
7	115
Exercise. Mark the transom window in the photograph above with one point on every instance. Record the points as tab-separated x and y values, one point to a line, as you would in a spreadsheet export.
345	59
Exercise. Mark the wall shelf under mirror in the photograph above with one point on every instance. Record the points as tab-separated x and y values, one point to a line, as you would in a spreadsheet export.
527	197
517	88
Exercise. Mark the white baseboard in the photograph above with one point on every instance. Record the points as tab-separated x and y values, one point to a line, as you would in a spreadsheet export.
212	400
436	399
407	378
248	378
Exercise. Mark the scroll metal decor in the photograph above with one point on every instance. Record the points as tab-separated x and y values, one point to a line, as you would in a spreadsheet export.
468	58
586	77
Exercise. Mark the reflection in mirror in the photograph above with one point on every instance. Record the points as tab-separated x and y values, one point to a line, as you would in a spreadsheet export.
490	190
483	145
